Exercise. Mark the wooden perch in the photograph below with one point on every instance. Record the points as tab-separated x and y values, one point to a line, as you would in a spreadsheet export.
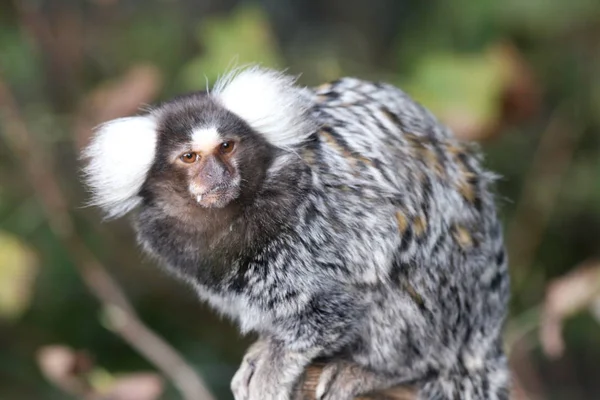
311	378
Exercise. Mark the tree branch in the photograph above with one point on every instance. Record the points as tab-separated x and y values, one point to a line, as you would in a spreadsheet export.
311	379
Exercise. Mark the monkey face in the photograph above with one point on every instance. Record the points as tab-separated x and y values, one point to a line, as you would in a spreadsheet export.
207	157
211	169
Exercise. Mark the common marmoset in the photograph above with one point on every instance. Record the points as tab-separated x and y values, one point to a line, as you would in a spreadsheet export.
341	223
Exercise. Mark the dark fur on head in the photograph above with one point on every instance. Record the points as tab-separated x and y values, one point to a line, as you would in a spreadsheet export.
204	243
167	181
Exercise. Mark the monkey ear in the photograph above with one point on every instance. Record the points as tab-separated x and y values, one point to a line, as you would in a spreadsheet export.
119	158
269	102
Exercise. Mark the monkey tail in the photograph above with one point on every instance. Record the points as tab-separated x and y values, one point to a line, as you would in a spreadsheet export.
490	381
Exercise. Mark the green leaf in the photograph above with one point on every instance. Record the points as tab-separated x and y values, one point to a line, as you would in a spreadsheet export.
18	268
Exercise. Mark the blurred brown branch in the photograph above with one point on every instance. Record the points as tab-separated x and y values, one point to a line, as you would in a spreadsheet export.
38	169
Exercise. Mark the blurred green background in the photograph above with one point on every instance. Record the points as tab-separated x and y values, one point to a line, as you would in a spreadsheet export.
520	76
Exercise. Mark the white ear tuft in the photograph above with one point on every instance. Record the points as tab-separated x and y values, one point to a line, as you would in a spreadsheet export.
120	156
269	102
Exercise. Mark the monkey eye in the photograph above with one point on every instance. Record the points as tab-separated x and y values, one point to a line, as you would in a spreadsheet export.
189	158
226	147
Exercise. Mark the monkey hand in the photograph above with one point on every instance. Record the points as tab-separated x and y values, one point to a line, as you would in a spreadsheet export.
268	372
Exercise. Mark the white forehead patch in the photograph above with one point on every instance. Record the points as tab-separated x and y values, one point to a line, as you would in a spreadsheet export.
205	139
269	102
120	156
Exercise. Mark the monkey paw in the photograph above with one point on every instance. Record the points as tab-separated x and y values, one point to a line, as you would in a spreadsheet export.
240	384
265	374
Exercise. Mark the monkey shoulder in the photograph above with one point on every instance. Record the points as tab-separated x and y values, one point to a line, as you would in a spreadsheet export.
373	136
377	149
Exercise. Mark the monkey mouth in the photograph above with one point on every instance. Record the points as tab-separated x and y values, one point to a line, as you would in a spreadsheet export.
215	190
217	196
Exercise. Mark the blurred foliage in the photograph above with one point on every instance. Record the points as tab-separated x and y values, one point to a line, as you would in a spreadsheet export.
521	77
18	267
239	39
461	89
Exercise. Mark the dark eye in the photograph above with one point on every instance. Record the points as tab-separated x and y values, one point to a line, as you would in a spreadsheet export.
189	158
226	147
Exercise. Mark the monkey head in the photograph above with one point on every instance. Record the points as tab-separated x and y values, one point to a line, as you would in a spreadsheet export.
207	157
200	152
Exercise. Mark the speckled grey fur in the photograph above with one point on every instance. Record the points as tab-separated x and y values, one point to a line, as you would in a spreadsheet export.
374	243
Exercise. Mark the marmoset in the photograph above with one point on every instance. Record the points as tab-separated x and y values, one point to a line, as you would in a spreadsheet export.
340	223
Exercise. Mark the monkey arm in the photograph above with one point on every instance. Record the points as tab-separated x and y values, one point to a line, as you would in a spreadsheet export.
274	365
